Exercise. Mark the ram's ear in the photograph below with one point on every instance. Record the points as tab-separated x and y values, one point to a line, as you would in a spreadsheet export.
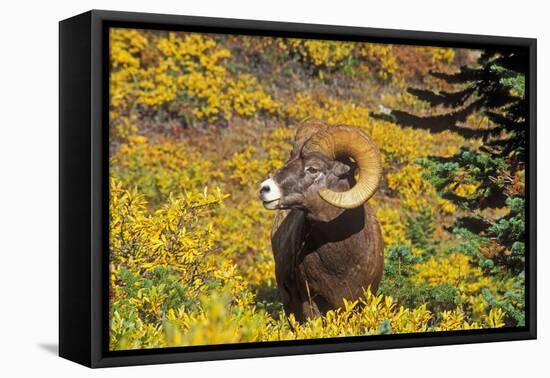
340	169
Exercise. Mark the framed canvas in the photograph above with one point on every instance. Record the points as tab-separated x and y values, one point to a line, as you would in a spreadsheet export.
234	188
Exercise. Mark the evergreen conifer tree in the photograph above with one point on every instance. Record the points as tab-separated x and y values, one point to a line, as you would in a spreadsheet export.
491	220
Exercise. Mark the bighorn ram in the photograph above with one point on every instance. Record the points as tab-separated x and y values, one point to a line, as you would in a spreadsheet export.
327	245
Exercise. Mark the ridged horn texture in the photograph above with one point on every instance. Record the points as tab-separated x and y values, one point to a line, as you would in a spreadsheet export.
309	127
344	141
306	129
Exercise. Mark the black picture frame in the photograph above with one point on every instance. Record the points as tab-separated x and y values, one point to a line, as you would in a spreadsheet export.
83	196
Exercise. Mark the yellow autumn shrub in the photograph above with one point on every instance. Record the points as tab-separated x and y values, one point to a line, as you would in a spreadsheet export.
158	169
188	72
322	53
456	269
381	55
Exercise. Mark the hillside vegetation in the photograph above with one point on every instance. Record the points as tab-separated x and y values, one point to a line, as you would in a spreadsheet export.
197	121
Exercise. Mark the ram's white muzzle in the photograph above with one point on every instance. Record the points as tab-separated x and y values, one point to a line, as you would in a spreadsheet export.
270	194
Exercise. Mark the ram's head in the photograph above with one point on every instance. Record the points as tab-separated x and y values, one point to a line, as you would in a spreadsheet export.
322	168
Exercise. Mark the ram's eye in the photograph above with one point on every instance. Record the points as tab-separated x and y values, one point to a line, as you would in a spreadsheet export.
311	170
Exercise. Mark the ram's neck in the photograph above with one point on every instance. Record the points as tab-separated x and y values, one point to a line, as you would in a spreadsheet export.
320	210
341	225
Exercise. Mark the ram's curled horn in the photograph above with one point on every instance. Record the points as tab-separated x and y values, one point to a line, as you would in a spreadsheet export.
344	141
307	128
